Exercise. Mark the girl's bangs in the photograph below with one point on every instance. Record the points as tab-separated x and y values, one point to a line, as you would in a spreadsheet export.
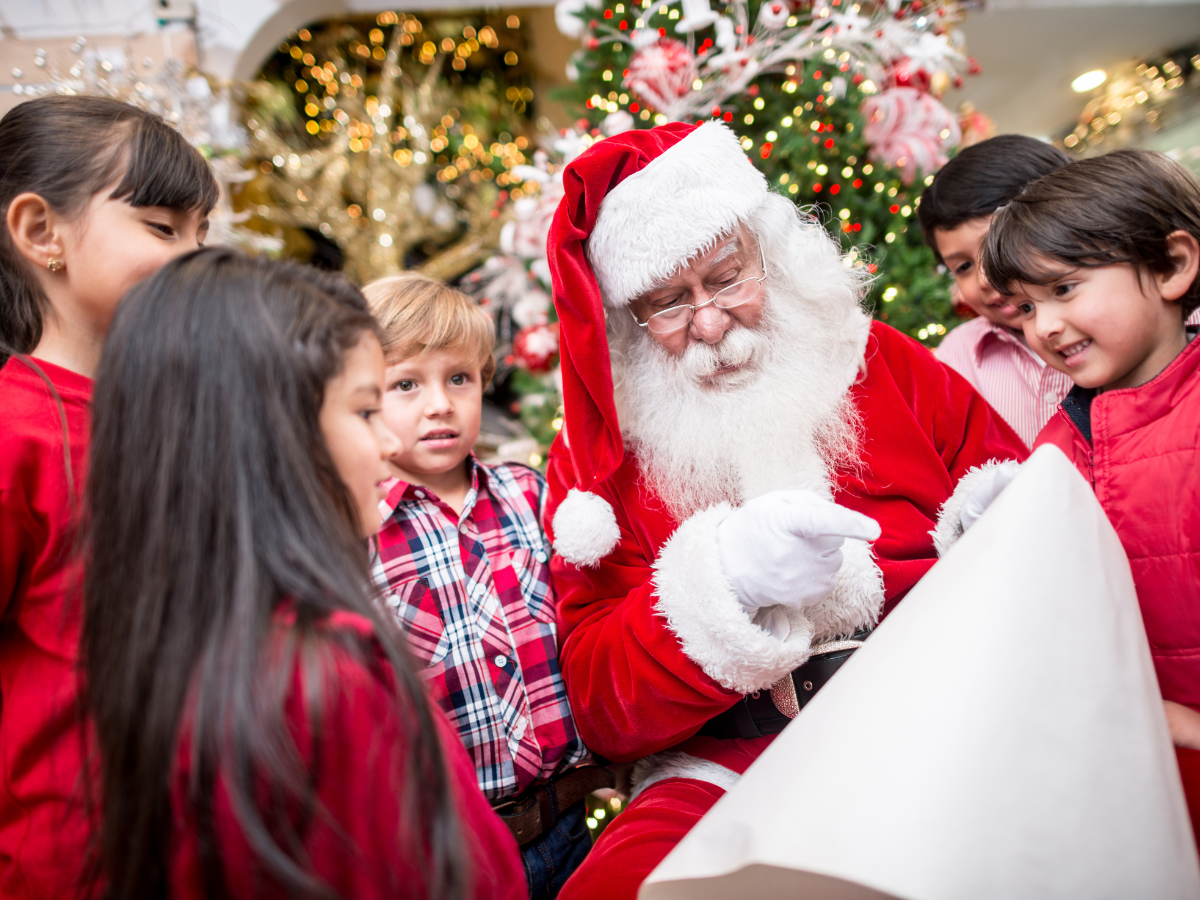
163	169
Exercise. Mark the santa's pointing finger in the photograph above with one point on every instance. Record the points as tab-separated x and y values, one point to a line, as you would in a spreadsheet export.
785	547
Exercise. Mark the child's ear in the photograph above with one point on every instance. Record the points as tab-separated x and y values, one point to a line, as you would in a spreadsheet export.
35	229
1184	250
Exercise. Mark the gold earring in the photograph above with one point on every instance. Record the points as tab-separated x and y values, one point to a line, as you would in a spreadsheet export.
53	264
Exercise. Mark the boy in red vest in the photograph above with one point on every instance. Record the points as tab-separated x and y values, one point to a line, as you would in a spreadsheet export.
1101	259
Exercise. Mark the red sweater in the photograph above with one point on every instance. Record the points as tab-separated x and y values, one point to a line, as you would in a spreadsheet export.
632	687
43	827
361	849
1139	448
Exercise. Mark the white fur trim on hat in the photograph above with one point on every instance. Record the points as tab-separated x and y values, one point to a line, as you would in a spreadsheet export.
703	612
657	219
949	524
677	764
585	528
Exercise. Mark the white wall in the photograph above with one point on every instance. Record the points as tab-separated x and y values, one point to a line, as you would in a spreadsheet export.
233	37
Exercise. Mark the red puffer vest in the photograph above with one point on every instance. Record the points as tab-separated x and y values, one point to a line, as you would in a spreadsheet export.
1140	450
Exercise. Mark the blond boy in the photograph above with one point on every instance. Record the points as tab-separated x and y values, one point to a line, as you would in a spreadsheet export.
465	562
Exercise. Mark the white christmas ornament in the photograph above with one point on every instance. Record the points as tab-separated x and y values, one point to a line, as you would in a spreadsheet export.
726	35
643	37
567	16
532	308
616	123
773	15
697	14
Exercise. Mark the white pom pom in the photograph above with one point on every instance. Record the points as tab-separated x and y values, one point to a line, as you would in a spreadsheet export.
585	528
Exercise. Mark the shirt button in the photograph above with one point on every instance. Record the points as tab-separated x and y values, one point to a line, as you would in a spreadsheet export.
420	494
1051	396
501	661
393	600
519	728
540	556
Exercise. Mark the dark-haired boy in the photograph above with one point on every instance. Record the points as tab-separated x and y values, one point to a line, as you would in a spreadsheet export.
1102	258
955	213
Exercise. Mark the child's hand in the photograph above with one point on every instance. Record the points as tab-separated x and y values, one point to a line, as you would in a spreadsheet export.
1184	724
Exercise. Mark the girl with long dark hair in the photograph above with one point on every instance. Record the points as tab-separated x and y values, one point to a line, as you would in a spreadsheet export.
94	196
261	731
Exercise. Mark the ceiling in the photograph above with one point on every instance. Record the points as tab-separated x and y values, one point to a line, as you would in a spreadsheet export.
1030	52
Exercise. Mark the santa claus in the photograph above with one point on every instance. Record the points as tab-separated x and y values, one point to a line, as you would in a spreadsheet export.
751	473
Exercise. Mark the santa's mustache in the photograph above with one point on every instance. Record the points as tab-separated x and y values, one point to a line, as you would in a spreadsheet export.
738	347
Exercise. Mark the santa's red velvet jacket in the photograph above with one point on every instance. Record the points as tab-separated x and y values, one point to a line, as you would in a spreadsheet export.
1139	448
653	640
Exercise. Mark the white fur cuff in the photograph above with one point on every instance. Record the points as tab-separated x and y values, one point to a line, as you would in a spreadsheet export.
857	598
703	612
674	764
585	528
949	524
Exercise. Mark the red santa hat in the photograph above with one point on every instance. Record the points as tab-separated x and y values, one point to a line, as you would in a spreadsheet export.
636	207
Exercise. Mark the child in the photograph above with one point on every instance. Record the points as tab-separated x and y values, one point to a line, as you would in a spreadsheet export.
95	196
261	730
990	351
466	565
1101	260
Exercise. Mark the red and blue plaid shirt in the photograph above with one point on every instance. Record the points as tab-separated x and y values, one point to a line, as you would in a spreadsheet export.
473	594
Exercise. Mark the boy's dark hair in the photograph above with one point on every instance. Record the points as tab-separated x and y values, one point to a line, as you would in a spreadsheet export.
983	178
1103	211
68	149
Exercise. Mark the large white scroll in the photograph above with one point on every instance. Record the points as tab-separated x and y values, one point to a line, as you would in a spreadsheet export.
1001	735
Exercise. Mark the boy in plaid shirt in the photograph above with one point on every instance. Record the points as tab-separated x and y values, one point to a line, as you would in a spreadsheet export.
466	567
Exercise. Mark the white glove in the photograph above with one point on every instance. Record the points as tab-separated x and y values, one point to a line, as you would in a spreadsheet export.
985	492
785	548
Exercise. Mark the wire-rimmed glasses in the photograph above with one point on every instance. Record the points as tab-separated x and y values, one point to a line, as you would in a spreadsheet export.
680	316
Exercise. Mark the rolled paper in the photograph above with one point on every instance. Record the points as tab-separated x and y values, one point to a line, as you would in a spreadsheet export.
1000	735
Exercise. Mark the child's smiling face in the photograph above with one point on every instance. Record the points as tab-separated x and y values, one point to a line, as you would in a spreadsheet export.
433	404
1104	327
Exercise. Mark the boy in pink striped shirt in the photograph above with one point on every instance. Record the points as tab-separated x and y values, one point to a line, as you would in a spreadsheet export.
990	351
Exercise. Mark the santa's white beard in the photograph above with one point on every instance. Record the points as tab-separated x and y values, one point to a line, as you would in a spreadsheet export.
784	420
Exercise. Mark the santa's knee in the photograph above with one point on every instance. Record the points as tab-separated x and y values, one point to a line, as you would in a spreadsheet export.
640	838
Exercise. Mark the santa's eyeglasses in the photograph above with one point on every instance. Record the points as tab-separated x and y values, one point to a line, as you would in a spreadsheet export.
731	297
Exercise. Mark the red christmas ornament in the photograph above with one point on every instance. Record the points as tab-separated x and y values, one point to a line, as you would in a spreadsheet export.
535	348
902	73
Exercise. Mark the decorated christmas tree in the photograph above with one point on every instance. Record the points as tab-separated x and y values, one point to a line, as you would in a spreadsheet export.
837	103
389	138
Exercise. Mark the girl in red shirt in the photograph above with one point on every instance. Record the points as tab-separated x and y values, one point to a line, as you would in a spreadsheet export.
95	195
261	728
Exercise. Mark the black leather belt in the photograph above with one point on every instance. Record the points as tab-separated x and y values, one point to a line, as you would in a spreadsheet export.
769	711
